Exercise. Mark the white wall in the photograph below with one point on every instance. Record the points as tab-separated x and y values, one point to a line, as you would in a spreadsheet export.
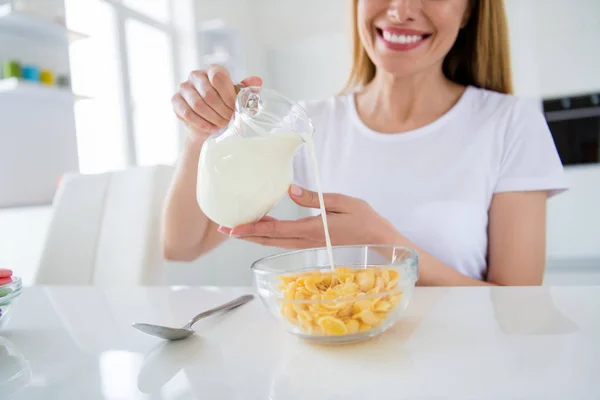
554	46
308	46
568	40
300	48
305	58
241	15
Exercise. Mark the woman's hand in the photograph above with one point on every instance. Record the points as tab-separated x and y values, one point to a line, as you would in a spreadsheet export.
350	220
206	101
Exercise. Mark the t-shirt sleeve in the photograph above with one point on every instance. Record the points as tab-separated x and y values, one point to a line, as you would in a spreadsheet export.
530	161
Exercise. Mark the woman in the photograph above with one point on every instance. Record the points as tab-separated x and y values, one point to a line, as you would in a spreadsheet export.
426	149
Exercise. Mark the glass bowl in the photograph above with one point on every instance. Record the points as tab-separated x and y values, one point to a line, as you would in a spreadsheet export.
368	292
8	295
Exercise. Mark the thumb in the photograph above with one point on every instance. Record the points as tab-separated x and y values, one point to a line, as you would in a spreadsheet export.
252	81
308	198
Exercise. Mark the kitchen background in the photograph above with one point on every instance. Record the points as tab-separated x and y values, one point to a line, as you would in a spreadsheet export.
103	104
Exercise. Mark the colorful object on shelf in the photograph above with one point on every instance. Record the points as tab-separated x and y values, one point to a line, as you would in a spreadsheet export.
31	73
63	80
46	77
12	69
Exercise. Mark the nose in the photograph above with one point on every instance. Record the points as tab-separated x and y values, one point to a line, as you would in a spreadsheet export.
401	11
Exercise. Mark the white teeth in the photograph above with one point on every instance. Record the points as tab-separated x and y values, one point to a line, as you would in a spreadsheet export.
403	39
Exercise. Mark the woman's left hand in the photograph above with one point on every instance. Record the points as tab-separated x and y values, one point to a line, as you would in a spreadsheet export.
351	221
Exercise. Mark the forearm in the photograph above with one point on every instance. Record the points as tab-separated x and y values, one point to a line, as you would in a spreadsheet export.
185	227
433	272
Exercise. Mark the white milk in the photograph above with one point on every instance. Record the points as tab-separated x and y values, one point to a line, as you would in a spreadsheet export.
313	156
240	179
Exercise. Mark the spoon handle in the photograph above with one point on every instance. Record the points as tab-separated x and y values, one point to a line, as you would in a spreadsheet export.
225	307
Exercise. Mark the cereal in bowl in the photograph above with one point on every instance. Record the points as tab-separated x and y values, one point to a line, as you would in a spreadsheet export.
344	302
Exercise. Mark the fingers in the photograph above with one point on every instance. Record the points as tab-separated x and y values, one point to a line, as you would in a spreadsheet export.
185	113
227	231
199	105
205	102
311	227
210	95
252	81
220	80
280	243
224	230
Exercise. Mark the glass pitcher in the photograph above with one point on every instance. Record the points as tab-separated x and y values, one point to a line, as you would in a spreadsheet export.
245	170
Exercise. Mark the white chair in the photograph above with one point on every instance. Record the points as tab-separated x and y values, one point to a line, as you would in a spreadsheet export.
105	229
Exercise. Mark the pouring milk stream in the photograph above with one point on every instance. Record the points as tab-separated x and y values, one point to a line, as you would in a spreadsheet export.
246	170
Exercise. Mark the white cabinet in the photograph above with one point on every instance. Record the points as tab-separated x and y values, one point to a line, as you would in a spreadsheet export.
37	131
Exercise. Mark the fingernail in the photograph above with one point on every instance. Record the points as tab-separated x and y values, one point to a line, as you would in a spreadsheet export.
232	233
296	190
223	230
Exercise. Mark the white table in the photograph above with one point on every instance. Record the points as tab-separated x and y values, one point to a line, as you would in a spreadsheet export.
459	343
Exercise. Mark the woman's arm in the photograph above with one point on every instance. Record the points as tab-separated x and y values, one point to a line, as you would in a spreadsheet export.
516	245
186	232
517	238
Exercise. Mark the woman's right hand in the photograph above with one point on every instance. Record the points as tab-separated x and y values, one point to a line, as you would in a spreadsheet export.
206	100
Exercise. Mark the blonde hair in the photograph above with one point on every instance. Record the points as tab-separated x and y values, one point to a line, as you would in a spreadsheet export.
480	56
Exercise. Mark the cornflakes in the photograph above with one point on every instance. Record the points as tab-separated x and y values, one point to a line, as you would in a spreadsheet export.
339	313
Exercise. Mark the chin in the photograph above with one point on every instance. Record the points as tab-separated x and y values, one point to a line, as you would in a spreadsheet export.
399	69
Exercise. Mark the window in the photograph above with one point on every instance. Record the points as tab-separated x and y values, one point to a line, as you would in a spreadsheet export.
151	85
155	9
128	69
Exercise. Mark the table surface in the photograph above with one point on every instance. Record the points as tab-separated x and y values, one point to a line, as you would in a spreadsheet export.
452	343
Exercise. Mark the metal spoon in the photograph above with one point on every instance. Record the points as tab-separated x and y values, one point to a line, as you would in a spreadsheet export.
167	333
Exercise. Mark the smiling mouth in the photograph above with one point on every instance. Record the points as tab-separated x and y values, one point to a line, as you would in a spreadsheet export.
399	38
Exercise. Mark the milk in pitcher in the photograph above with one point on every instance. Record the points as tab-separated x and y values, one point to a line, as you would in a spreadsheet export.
240	179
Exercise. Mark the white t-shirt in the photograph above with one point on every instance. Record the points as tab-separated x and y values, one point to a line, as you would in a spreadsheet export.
435	184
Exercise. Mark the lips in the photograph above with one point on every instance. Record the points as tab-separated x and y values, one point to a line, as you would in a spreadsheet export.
401	39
